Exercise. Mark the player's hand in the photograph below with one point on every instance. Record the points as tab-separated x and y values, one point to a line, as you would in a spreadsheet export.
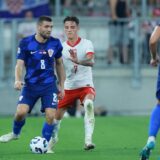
61	93
18	85
73	56
154	62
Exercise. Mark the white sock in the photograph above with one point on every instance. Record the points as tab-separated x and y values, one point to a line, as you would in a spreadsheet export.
89	120
56	124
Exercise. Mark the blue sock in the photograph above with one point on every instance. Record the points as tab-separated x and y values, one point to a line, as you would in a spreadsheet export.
47	131
17	126
154	121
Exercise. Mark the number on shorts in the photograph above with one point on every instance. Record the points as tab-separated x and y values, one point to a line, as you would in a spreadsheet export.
55	98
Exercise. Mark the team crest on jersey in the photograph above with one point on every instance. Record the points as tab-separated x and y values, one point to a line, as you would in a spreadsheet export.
50	52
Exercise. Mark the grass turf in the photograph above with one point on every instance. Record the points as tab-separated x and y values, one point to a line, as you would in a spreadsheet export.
116	138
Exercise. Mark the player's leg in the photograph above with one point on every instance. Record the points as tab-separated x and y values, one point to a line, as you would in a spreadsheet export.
62	107
89	119
59	115
49	105
25	105
18	123
153	131
54	139
153	126
48	126
78	113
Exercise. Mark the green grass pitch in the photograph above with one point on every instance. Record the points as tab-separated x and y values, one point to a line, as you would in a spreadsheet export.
116	138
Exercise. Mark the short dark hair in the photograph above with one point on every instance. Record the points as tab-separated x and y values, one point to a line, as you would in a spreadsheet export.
71	18
44	18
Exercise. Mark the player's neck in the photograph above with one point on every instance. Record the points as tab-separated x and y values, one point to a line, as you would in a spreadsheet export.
40	39
73	41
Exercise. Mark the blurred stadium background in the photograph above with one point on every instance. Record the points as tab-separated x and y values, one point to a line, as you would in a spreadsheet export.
122	89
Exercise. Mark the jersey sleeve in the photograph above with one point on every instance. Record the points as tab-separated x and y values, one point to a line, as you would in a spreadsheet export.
59	50
90	48
21	51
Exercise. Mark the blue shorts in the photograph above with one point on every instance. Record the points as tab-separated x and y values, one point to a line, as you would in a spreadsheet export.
46	92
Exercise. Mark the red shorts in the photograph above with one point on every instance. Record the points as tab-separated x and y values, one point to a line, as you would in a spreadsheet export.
72	95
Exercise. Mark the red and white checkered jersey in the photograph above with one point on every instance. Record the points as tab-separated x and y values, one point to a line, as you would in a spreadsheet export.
77	76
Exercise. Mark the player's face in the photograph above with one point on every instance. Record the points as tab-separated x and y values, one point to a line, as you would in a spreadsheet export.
45	29
71	29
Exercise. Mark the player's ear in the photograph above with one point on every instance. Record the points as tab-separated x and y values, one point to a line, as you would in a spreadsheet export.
38	28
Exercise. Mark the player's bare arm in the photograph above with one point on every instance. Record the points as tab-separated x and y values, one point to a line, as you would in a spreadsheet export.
89	61
18	74
61	77
153	46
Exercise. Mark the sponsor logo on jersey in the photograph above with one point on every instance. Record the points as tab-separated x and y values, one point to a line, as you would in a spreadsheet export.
50	52
32	52
20	98
40	52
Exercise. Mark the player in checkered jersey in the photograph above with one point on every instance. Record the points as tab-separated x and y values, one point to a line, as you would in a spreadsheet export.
38	54
78	58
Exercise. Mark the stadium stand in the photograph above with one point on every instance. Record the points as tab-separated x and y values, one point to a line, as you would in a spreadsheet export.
135	78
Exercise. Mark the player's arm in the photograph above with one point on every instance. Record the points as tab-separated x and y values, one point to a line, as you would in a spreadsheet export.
61	76
18	74
89	61
155	36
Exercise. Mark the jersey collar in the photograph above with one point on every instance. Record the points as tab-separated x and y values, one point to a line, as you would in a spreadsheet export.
77	42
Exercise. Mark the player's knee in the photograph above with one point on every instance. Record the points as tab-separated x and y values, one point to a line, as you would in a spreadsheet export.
88	104
88	107
20	114
60	113
59	116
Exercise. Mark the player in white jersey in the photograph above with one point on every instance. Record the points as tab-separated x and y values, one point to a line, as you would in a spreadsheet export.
78	75
78	58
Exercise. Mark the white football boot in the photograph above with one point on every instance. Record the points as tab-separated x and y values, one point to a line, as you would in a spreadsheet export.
88	144
51	144
8	137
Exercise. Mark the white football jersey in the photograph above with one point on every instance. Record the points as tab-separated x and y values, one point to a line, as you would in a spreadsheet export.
77	76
